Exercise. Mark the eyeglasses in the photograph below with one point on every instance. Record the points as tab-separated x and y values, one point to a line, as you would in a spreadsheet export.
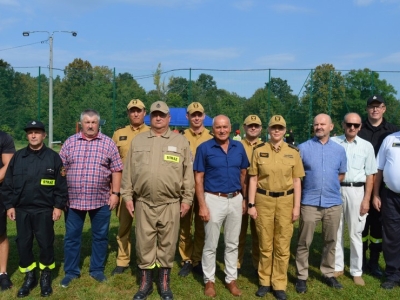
373	107
356	125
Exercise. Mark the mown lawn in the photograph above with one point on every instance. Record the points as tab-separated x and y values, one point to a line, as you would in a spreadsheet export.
124	286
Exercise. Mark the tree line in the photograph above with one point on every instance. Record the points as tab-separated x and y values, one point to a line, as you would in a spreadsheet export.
83	86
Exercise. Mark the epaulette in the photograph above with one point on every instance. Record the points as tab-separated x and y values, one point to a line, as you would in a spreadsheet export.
258	146
293	147
120	128
212	134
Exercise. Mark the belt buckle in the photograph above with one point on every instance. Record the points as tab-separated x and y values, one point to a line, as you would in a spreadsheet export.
229	195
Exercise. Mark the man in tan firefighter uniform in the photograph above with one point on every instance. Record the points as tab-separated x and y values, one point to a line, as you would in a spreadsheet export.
190	248
252	127
158	174
123	138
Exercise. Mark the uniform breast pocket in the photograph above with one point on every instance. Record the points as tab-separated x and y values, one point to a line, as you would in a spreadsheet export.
264	166
358	161
172	157
141	155
287	166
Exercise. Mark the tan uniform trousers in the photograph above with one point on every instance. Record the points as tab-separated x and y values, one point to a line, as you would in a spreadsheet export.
275	229
255	247
156	232
191	249
309	218
124	236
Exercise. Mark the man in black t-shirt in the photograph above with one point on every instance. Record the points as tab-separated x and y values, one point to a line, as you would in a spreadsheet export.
7	150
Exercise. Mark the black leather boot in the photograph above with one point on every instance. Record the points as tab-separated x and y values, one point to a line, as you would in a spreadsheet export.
30	282
45	283
373	264
164	275
146	285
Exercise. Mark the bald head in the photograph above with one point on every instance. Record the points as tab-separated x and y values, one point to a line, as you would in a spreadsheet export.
323	127
221	128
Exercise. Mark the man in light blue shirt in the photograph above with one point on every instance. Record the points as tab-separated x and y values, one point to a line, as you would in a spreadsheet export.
325	165
356	192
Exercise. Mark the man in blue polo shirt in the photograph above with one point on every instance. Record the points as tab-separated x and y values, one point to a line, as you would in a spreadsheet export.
325	165
220	169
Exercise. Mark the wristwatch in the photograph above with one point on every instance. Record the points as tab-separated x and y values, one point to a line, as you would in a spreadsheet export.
116	193
250	205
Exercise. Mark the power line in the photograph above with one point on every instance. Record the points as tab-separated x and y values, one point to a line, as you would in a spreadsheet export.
41	42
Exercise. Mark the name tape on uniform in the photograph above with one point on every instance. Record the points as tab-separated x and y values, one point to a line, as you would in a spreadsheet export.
48	182
172	158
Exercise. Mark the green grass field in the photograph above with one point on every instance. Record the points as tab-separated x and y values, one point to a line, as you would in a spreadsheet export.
125	286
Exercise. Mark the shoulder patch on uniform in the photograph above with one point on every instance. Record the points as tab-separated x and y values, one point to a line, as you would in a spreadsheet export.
123	138
264	154
259	145
293	147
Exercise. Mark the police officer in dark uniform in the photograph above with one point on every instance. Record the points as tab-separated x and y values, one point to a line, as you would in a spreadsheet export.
374	129
34	192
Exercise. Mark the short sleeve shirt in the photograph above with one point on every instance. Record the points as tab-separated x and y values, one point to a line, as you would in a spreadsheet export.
389	161
221	169
322	165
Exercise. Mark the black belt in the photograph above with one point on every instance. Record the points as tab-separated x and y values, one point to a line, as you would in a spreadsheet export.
229	195
357	184
274	194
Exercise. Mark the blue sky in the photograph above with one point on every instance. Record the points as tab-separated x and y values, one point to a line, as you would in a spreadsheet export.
135	35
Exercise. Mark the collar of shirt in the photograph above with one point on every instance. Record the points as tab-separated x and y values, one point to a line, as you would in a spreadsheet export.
39	152
276	149
83	137
342	139
252	143
165	135
231	143
194	133
138	128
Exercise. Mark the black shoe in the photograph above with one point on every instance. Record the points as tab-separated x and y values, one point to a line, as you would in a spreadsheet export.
186	269
389	284
280	295
263	290
198	269
30	282
332	282
45	283
301	286
146	285
374	270
118	270
5	282
164	275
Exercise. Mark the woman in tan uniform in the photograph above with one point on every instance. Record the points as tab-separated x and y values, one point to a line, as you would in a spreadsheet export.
274	203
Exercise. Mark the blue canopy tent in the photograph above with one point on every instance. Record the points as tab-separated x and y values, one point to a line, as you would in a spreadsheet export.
178	118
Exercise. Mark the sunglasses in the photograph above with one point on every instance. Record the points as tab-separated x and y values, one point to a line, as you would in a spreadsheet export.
356	125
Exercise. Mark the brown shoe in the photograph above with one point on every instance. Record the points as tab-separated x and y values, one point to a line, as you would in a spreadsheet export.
358	280
232	287
338	273
209	289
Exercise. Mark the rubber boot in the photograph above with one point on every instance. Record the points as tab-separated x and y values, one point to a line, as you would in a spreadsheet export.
30	282
164	275
45	283
146	285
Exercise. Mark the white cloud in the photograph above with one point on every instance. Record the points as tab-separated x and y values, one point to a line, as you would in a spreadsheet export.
275	60
393	58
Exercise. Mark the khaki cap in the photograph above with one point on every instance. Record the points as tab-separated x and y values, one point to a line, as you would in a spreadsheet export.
252	119
195	106
135	103
277	120
159	106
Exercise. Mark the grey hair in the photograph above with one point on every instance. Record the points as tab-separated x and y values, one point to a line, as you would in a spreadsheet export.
213	121
90	113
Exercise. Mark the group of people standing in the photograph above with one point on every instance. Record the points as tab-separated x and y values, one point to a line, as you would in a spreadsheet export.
168	181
